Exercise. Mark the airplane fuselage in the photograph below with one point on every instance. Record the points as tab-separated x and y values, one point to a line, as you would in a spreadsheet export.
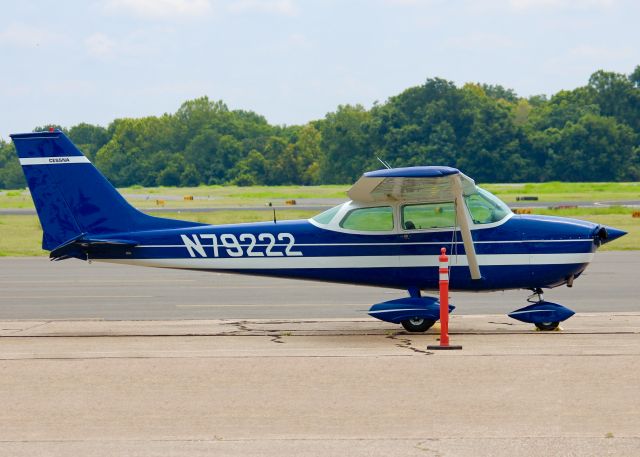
523	252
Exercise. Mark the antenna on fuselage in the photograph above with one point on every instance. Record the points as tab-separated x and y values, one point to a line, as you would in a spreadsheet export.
274	213
384	163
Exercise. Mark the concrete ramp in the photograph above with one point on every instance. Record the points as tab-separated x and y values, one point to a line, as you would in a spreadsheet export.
319	387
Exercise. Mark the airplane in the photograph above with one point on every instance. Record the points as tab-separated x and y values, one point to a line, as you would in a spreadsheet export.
389	234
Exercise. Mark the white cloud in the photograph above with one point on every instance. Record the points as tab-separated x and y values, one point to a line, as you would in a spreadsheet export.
559	4
602	53
582	60
295	42
298	40
99	45
505	6
161	9
429	3
481	41
282	7
27	36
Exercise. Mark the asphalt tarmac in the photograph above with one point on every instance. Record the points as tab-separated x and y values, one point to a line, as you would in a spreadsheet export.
36	288
100	360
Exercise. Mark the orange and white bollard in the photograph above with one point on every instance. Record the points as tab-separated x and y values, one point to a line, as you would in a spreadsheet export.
444	303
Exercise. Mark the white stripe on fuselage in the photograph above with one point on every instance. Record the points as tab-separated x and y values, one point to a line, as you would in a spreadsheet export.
400	243
54	160
351	262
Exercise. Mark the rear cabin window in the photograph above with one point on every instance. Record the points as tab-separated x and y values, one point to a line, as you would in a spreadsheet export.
428	216
378	219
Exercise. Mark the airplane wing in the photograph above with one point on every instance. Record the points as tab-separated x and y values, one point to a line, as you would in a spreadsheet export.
422	184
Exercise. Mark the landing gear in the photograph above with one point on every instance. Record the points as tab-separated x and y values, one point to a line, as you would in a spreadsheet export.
542	326
546	316
416	314
417	324
547	326
537	292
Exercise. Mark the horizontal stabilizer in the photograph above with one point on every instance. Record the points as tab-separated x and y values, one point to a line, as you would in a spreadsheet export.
80	246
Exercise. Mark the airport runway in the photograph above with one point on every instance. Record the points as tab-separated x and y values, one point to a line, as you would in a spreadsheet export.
35	288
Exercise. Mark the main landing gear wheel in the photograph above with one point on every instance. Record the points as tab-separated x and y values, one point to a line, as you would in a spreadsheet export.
547	326
417	324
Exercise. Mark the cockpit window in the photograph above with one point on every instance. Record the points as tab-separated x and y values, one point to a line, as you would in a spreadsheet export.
327	216
486	208
428	215
377	219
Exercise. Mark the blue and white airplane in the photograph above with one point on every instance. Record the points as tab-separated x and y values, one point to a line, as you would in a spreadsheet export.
388	234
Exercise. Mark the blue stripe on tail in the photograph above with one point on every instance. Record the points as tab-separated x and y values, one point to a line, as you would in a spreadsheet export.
72	197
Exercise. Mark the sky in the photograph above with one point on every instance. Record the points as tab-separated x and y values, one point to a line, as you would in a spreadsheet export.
66	61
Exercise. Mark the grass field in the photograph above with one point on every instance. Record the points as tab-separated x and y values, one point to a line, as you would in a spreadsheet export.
567	191
21	235
233	196
618	217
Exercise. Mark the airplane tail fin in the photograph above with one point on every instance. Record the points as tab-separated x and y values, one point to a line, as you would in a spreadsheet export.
72	198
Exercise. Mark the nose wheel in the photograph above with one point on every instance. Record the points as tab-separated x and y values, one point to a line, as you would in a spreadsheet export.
537	297
546	316
547	326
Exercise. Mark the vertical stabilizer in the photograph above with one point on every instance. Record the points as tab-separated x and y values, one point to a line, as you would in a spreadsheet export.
72	197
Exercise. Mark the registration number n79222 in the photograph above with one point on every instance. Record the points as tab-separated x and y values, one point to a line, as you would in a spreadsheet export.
242	245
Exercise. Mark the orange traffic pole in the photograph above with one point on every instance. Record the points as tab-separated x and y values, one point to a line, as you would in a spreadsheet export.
443	272
444	297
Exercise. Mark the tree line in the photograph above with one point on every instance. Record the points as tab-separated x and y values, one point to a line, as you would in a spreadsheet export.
591	133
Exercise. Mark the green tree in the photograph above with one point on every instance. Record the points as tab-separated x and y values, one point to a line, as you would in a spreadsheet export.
11	176
251	170
634	77
346	144
596	148
617	96
89	138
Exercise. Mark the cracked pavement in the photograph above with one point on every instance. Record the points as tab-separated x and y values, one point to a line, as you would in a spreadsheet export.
319	387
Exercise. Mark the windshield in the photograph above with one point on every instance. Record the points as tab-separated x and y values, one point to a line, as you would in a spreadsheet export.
326	216
486	208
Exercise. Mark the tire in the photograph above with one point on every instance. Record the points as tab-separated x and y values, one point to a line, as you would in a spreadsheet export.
417	324
547	326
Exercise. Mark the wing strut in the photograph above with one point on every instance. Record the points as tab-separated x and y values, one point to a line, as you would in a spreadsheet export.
463	220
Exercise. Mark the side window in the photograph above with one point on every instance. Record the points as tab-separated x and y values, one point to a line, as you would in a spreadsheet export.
378	219
428	215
